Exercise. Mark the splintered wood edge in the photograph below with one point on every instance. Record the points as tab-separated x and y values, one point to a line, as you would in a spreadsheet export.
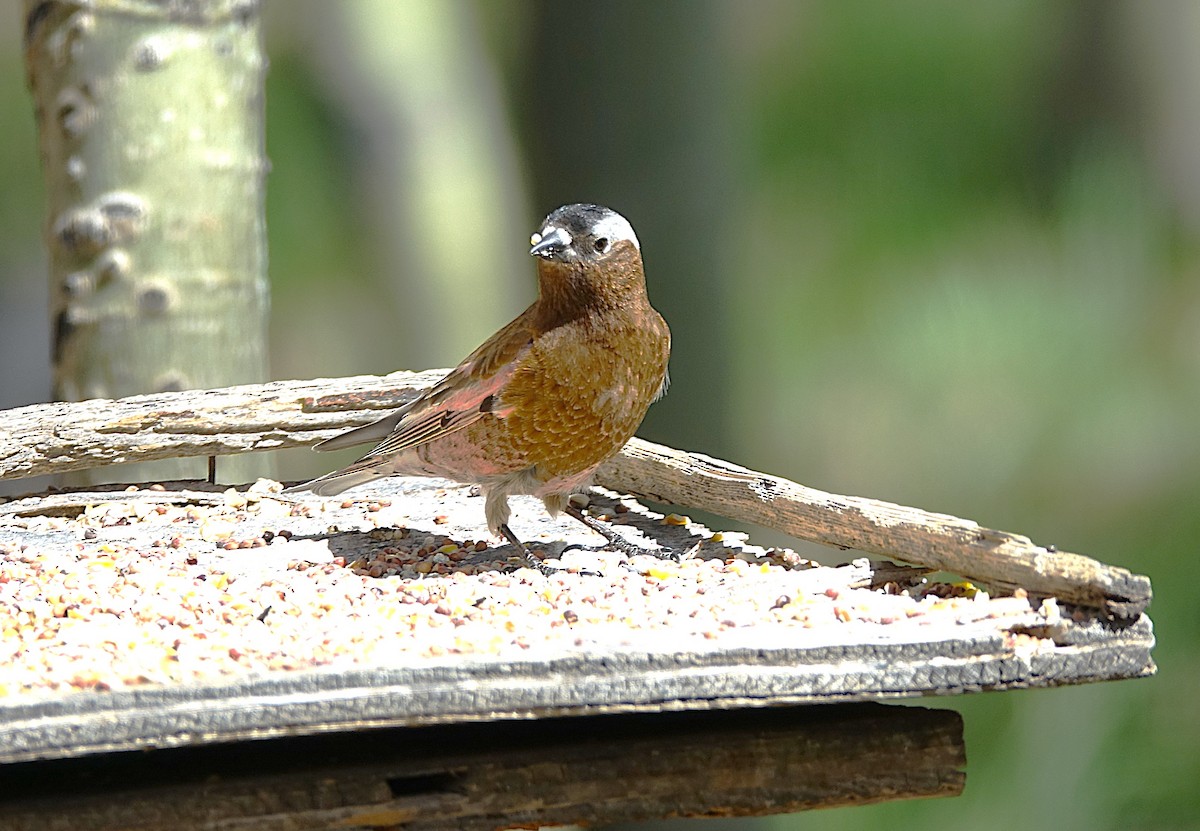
60	437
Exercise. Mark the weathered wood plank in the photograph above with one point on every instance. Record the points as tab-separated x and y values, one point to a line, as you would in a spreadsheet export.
587	771
144	619
58	437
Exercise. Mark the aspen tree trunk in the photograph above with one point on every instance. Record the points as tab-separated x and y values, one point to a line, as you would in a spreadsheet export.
150	120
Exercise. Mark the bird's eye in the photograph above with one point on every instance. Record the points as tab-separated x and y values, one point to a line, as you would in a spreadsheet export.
601	245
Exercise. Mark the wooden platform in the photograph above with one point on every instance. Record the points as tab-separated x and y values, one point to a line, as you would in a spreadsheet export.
186	616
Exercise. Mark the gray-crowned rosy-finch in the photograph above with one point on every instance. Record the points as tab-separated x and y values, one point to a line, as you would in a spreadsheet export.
539	406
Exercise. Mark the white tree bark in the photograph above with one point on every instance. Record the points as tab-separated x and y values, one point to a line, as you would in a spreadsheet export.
150	120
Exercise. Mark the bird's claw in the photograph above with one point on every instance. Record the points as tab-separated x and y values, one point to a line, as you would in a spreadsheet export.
540	565
627	548
615	541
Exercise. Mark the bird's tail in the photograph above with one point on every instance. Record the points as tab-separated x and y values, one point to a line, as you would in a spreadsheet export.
374	432
334	483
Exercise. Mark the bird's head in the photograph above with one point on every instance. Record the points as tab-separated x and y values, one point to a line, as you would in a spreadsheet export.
584	234
589	252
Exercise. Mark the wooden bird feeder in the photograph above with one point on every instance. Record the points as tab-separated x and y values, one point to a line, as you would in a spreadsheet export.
375	660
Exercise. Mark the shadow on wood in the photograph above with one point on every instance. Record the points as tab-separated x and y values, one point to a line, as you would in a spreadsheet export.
587	771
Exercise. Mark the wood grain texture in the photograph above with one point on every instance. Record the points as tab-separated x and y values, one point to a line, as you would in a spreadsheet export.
52	438
65	436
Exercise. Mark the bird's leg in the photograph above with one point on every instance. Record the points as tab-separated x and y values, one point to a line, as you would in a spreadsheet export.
527	555
615	540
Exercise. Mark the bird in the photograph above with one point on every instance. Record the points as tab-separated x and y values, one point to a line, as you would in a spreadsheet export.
546	400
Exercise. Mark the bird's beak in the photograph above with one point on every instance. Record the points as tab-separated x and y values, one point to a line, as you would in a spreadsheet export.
553	242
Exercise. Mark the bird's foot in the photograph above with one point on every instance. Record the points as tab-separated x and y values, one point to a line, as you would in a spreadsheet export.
615	541
537	563
627	548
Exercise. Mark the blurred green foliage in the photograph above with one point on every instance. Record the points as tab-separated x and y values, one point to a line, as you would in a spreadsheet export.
931	252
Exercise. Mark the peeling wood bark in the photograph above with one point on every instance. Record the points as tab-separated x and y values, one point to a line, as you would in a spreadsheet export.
51	438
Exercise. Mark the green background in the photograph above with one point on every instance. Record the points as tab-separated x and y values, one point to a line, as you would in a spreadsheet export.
939	253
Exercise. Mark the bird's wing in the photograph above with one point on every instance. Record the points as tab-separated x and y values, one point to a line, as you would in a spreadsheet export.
468	393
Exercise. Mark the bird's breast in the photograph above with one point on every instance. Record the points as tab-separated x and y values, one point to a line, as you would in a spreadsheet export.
582	392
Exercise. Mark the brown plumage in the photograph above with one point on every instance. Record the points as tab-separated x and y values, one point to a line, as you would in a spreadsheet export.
543	402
